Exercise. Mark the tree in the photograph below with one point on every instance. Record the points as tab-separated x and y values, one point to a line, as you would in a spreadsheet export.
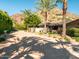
32	20
64	15
5	22
45	6
26	12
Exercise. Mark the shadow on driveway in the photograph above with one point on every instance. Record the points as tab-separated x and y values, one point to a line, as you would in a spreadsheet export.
34	48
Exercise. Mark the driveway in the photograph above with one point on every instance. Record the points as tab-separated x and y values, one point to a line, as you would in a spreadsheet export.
32	46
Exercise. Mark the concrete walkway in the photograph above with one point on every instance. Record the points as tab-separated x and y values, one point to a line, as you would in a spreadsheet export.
23	45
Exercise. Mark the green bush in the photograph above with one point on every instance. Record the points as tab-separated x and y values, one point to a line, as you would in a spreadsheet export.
32	20
5	22
50	33
19	26
76	38
74	32
2	39
66	39
70	32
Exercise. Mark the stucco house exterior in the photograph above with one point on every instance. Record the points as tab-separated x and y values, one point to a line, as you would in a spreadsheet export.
58	25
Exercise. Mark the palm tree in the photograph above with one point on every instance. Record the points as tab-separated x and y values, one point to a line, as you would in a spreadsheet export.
45	6
64	15
26	12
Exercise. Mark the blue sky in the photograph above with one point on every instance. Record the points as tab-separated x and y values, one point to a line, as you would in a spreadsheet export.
15	6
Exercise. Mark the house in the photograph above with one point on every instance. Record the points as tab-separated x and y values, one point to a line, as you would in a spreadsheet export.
57	26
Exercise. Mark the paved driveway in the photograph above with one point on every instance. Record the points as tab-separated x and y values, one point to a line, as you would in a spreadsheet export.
31	46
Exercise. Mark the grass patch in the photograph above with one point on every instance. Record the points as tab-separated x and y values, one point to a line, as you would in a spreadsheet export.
66	39
52	33
76	38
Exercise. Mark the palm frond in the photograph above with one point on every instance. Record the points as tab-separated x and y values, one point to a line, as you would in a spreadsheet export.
26	12
46	5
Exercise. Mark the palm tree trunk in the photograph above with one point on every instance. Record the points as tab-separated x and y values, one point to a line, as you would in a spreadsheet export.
64	17
45	23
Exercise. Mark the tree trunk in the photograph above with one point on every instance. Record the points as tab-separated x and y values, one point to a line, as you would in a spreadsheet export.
64	27
64	17
45	23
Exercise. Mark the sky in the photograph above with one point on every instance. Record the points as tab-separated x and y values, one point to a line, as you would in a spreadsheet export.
15	6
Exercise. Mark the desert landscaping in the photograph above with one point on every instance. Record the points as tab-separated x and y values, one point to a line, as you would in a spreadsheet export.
49	31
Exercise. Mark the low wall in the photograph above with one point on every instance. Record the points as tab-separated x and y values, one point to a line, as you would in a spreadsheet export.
73	54
73	57
36	29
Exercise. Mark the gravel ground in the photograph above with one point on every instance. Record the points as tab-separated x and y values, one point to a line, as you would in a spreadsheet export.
23	45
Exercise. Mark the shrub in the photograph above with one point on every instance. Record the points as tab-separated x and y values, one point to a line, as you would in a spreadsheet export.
2	39
32	20
5	22
19	26
76	38
74	32
70	32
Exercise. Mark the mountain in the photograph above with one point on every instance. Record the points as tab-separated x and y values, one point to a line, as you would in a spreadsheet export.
17	17
55	15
